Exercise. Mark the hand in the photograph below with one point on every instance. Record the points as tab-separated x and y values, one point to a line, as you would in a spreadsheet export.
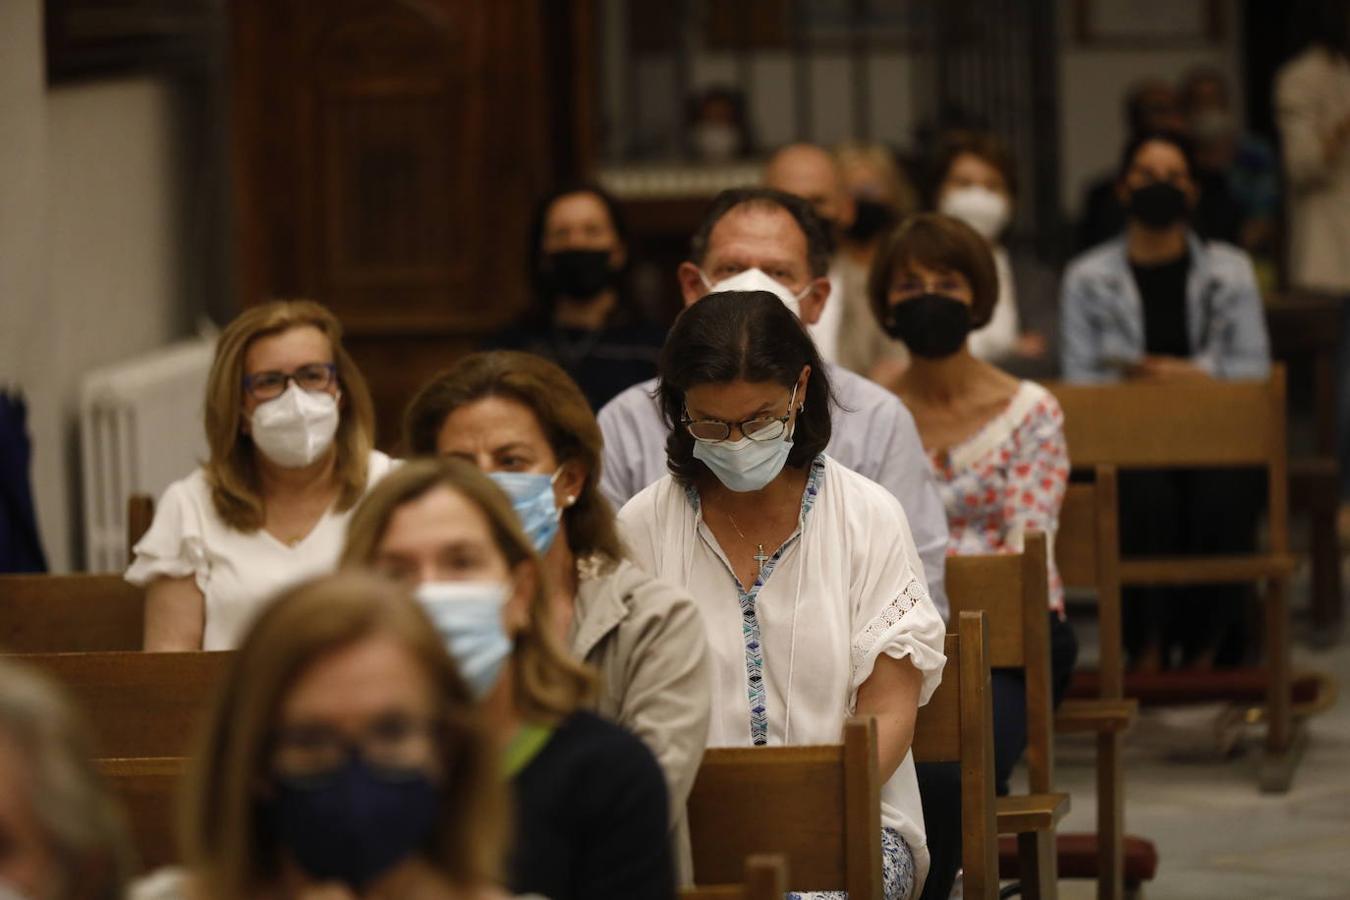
1031	345
1166	368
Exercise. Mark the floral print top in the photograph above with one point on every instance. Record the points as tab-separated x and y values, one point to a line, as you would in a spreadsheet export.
1007	479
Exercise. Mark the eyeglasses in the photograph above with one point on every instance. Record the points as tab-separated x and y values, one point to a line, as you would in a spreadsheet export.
394	741
759	428
270	385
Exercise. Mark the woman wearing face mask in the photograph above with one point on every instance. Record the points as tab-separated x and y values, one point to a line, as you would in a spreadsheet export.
1161	304
591	809
995	444
342	759
289	428
809	582
975	181
522	420
581	318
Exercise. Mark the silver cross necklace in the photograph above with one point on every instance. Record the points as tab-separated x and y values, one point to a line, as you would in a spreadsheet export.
760	556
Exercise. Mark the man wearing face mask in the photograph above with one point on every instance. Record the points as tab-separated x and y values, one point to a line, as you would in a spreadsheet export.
581	318
1160	304
760	239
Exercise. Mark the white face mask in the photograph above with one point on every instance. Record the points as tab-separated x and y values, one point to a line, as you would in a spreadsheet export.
757	280
295	429
716	141
984	210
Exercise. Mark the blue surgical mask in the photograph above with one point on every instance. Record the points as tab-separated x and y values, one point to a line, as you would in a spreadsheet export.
532	497
355	823
745	465
468	617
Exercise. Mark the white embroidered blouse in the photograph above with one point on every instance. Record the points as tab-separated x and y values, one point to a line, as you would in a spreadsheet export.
789	655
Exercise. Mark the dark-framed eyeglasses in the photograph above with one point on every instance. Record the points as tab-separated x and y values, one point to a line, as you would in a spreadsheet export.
758	428
310	377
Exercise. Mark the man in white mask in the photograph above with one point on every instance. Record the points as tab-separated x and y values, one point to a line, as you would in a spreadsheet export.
762	239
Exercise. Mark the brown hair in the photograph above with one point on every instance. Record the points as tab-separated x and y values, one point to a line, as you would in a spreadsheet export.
562	412
941	243
986	146
232	468
549	684
226	842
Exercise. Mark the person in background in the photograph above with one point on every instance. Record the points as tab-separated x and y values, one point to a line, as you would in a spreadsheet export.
882	195
758	239
290	431
520	419
342	758
809	581
995	443
1312	104
1161	304
975	180
719	129
582	318
591	810
62	836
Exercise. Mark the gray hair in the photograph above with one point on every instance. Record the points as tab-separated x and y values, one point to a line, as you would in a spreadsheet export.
79	817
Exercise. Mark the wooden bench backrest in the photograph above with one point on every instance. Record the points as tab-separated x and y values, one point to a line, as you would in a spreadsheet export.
1087	552
148	790
957	725
138	704
69	614
819	806
1012	592
765	879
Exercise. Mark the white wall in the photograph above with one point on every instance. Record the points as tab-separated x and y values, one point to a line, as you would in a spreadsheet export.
90	247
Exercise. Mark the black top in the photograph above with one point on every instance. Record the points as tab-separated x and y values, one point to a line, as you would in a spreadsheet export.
591	820
603	363
1162	288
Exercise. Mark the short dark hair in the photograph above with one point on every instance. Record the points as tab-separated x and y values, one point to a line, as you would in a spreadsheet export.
985	145
1137	142
741	336
818	247
541	307
942	243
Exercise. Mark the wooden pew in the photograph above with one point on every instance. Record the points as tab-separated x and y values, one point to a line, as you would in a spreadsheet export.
69	614
149	789
765	879
1205	424
138	704
1012	591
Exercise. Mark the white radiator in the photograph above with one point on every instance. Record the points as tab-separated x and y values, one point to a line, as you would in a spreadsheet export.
140	430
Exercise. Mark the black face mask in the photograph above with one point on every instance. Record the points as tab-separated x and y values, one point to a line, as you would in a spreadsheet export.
577	273
870	220
1159	205
931	325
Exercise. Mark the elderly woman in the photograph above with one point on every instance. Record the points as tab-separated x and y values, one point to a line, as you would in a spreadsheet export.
806	573
591	810
61	835
289	427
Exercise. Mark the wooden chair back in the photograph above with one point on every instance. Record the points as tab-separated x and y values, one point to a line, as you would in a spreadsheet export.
148	790
765	879
1087	553
819	806
1012	590
138	704
957	725
69	614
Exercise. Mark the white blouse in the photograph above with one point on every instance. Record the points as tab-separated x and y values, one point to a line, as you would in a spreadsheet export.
789	655
236	571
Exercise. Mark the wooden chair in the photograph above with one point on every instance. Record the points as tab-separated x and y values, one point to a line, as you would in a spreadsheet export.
820	807
69	614
138	704
1012	591
148	789
765	879
1205	424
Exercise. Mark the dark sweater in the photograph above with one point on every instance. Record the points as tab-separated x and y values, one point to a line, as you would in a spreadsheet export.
591	817
1162	290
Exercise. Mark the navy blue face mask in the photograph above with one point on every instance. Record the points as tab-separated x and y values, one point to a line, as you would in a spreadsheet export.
354	824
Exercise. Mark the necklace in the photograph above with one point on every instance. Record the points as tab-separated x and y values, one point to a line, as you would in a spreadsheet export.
759	557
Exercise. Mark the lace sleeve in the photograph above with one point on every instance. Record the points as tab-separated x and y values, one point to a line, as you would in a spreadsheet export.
907	626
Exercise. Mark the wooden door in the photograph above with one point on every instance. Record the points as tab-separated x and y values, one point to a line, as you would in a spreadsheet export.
386	156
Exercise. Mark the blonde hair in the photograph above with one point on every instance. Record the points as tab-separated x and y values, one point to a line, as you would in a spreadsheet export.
225	844
71	803
549	684
232	469
879	158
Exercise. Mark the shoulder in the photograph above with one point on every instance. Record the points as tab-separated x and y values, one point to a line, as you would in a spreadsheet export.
190	493
378	465
652	502
1229	263
1036	409
1311	65
585	741
651	604
1101	260
858	493
862	395
629	402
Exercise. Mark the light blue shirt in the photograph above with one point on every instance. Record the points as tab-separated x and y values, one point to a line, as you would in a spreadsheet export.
873	434
1102	330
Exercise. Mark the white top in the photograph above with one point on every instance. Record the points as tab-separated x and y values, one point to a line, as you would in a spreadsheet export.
236	571
995	341
788	656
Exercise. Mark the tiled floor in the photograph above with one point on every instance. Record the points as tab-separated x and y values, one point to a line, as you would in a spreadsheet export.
1217	835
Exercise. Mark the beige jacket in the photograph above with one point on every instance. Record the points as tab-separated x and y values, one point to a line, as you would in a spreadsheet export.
647	641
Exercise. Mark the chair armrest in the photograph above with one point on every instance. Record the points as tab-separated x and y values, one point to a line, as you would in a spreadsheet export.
1095	716
1026	813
